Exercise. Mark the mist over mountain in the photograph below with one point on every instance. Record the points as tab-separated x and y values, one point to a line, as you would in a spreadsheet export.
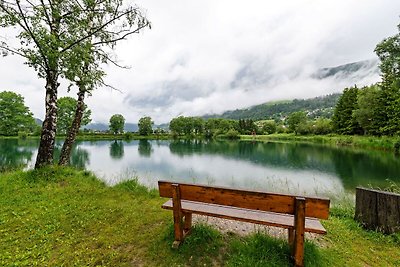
359	73
355	71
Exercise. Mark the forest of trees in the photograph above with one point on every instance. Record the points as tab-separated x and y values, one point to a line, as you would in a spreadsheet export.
321	106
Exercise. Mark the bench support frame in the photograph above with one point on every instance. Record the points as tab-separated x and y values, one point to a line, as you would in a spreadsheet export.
296	230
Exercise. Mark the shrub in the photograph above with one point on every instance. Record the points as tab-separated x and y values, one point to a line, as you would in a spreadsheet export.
269	127
281	129
397	147
322	126
22	134
304	128
128	135
232	134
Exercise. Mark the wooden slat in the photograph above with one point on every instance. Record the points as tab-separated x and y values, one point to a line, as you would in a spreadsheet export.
315	207
245	215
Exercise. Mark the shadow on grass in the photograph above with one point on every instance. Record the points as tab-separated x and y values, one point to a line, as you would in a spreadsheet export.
262	250
208	247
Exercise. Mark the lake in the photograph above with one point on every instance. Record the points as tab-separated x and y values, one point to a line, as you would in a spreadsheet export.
280	167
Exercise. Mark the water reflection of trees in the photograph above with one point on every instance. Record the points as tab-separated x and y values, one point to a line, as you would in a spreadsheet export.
117	149
16	153
351	166
79	156
144	148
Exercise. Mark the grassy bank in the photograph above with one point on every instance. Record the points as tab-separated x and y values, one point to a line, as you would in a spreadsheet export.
367	142
65	217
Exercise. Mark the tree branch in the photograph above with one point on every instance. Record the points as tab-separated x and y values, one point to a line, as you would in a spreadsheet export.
95	31
12	51
46	15
32	35
122	37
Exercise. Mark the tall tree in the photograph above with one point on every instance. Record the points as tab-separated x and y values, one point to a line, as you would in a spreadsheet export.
295	119
56	37
66	113
343	120
14	115
369	110
388	52
117	123
145	126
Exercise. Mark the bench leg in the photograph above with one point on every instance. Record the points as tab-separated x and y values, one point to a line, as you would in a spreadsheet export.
188	223
299	224
177	210
291	238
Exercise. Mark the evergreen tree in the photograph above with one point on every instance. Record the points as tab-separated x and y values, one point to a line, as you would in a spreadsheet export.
369	113
388	52
343	119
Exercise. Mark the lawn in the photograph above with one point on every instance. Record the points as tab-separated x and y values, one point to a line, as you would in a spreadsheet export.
67	217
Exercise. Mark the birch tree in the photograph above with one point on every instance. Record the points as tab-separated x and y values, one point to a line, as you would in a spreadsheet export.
66	39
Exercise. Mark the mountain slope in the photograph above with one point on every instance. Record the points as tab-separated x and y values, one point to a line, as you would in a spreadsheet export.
315	107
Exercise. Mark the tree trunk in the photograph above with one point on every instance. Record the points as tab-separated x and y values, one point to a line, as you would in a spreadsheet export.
48	136
73	130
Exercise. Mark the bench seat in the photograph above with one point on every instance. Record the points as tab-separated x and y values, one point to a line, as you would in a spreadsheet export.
246	215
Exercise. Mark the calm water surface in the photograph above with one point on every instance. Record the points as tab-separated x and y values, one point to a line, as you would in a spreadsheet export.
281	167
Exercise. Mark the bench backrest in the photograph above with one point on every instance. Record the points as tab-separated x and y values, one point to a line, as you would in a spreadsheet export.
280	203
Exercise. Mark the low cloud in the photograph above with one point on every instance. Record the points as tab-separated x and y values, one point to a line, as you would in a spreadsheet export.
203	57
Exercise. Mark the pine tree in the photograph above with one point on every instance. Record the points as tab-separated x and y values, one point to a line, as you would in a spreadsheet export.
343	119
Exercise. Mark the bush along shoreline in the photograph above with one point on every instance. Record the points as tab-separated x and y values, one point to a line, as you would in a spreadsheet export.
62	216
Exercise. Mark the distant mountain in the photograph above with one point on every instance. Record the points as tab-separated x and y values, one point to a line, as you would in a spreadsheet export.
129	127
38	121
99	126
322	106
359	70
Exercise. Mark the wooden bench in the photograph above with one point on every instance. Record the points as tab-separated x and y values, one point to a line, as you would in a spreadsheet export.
295	213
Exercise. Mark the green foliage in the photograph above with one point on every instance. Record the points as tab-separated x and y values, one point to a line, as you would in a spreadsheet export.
186	125
128	135
295	120
145	126
388	52
117	123
22	135
269	127
304	128
369	109
396	147
322	126
343	119
316	107
14	115
247	126
280	129
66	113
232	134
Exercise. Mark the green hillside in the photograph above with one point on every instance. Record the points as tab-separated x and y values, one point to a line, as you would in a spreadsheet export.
321	106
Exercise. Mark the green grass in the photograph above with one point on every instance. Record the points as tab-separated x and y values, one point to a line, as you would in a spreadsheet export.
368	142
66	217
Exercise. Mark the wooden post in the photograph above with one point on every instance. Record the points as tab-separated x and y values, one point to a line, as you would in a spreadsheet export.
291	238
378	210
177	210
188	223
367	207
299	224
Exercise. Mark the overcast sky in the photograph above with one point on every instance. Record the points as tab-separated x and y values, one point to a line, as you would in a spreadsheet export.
210	56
